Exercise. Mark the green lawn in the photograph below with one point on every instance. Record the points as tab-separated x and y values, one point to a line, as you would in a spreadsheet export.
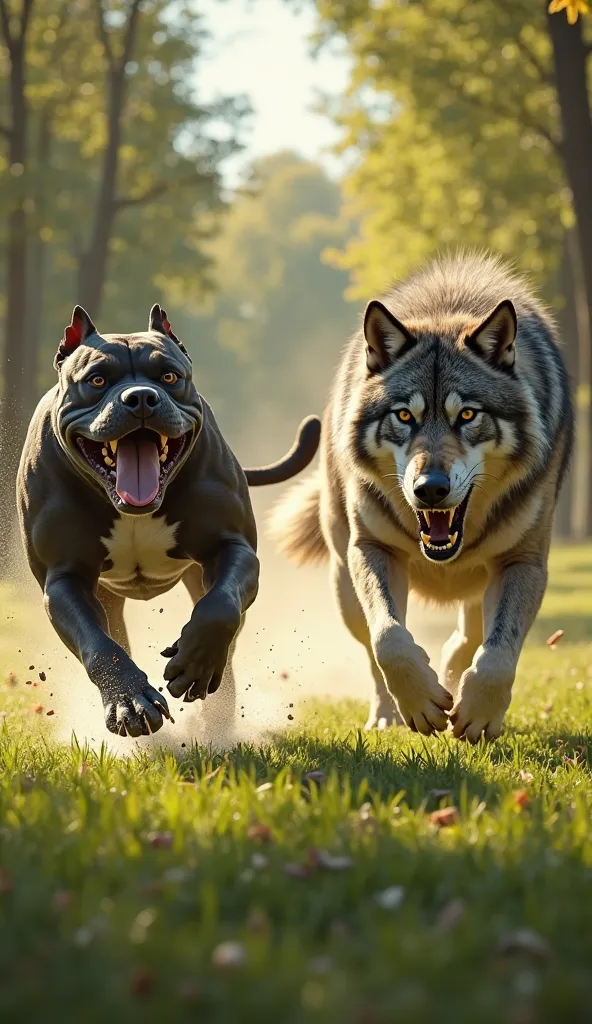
233	888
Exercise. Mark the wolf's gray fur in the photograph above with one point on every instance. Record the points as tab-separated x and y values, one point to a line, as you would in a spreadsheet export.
445	441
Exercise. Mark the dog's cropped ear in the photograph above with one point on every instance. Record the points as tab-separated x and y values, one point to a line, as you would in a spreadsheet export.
158	321
75	334
386	338
495	338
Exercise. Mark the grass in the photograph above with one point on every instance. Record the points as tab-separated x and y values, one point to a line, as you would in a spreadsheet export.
122	879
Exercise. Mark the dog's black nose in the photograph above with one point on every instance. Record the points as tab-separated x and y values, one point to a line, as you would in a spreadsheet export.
432	488
141	400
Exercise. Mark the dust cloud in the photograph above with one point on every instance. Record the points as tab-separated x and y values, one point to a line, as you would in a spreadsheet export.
294	648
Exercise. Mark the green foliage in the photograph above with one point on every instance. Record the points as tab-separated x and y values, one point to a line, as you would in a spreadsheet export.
277	320
453	111
120	878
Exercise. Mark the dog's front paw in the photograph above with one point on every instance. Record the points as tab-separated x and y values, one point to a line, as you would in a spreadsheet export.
199	656
134	707
422	702
484	697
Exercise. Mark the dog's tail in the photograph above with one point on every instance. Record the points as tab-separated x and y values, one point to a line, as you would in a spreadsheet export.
295	523
298	458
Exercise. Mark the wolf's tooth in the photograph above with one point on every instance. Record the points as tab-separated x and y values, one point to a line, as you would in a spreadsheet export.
108	461
163	440
103	451
427	517
425	538
451	512
453	537
162	457
113	446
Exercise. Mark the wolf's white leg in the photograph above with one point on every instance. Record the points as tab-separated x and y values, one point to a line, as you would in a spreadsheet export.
383	711
510	605
459	649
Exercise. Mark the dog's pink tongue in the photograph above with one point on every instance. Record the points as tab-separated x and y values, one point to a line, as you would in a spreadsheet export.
138	471
439	522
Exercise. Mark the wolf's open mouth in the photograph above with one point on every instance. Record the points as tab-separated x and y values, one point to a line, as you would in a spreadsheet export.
135	466
441	530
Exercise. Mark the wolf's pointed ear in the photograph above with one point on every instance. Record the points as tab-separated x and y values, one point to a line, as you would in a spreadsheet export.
80	328
158	321
494	339
386	338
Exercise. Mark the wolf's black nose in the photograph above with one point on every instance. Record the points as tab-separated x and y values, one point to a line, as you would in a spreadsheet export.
432	488
141	400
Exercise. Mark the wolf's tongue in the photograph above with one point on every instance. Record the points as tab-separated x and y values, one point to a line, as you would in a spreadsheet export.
439	523
138	470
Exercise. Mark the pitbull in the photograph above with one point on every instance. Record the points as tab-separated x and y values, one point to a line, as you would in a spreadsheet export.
125	487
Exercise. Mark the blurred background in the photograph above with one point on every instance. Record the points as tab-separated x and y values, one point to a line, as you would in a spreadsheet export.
262	168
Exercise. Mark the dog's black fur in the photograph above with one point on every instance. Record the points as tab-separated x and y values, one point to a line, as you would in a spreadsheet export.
90	548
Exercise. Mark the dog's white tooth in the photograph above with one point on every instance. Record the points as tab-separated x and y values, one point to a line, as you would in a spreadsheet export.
453	537
425	538
113	445
163	440
427	516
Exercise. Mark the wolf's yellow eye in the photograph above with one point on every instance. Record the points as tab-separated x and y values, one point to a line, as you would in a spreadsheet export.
169	378
468	414
404	415
97	381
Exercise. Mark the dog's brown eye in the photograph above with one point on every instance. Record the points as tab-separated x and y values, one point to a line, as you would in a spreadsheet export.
169	378
468	414
404	415
97	381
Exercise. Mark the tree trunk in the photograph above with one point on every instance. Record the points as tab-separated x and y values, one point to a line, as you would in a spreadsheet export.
566	505
570	54
93	264
37	245
19	389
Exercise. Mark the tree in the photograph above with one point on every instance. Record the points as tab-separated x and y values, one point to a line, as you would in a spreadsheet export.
265	349
453	109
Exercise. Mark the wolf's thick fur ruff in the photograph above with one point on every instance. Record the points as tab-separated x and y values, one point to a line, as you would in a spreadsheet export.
444	443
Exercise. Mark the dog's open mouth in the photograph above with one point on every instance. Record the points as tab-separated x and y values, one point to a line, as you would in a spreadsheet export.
441	530
135	466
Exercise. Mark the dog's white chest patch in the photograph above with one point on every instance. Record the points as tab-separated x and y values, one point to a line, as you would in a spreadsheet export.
138	546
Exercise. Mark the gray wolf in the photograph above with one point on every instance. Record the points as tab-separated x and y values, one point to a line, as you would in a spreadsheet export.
444	443
125	487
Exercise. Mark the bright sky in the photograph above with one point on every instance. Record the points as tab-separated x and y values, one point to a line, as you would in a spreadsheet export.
261	48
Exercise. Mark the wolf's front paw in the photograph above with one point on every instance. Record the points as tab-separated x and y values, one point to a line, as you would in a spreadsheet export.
422	702
484	697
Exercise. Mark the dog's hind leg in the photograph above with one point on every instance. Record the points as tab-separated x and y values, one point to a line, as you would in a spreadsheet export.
113	605
383	710
459	649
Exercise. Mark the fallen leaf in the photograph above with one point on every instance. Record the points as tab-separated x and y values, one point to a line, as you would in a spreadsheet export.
329	862
160	840
142	983
450	915
315	776
259	833
521	798
524	940
295	870
62	899
439	794
229	955
391	898
444	817
525	776
555	637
